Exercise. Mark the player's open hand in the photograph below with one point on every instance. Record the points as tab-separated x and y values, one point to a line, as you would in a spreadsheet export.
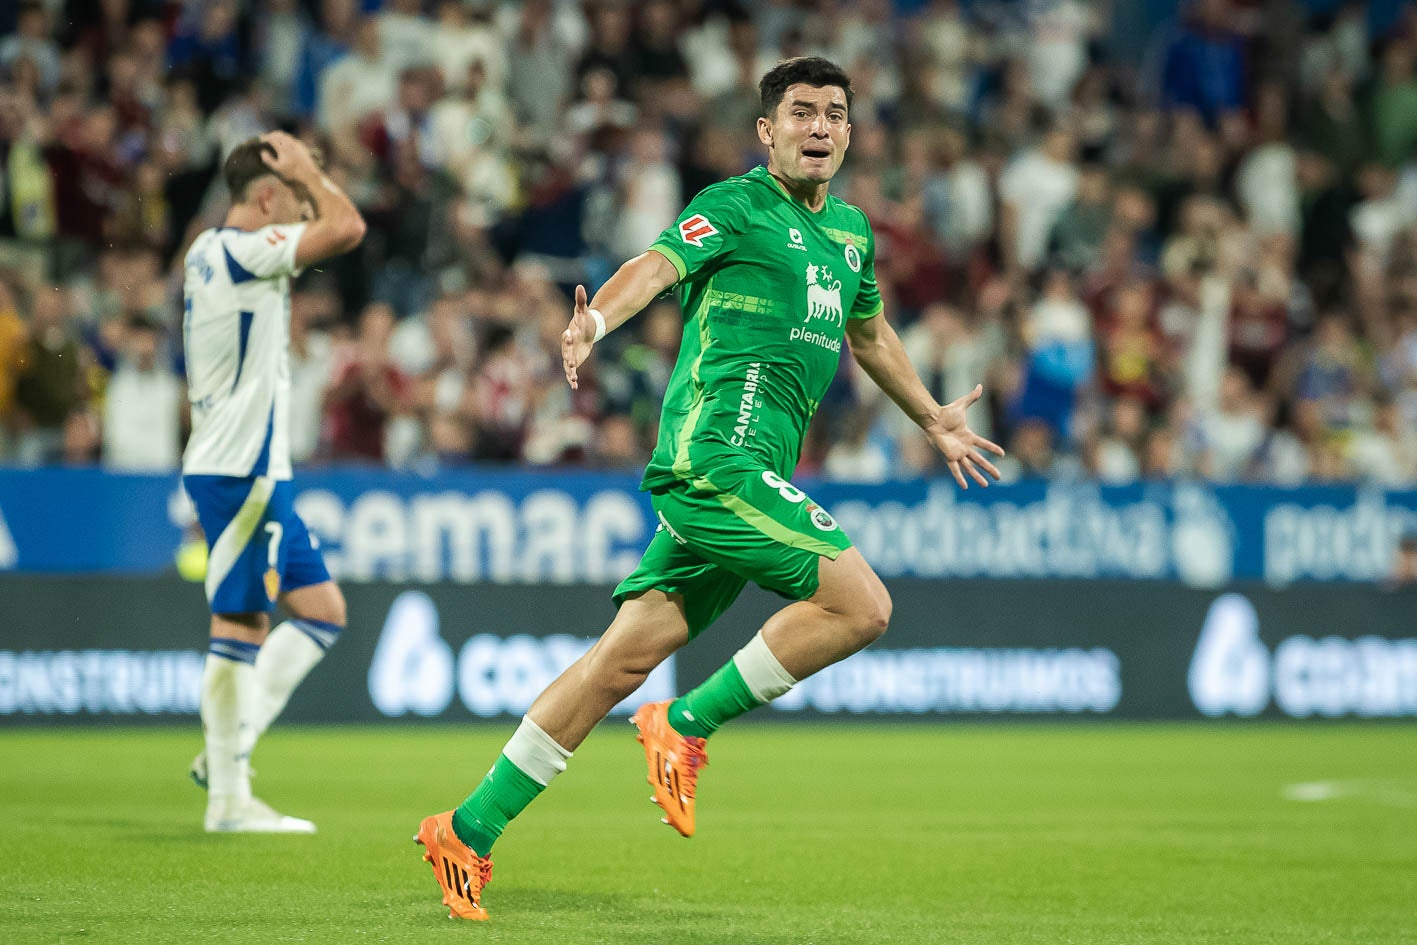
292	159
578	338
961	446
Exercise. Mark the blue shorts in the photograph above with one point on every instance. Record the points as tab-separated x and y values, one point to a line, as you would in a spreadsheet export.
257	547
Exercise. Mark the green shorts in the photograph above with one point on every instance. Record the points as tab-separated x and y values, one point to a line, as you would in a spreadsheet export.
720	531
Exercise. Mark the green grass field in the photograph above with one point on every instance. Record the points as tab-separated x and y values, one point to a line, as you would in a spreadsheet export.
808	834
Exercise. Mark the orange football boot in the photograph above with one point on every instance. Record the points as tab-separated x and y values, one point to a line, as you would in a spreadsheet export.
674	762
460	872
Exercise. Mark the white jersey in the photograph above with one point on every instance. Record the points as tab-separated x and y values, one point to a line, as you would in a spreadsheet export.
236	332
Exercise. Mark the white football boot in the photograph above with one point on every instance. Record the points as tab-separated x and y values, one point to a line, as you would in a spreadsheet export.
251	815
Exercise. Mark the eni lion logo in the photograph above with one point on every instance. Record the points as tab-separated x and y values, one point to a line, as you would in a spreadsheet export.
823	295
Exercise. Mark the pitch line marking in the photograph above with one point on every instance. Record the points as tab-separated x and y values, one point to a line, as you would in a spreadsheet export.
1386	794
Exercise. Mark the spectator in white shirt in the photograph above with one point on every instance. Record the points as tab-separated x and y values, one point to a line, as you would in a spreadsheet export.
1034	191
957	199
1234	432
359	84
1386	454
459	42
311	355
142	410
470	132
649	194
1119	452
407	36
1059	31
858	456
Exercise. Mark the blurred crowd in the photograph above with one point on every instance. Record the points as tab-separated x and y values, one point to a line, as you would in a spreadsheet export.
1182	247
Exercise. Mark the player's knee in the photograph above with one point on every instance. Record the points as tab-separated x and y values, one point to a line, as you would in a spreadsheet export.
326	605
870	614
338	610
875	615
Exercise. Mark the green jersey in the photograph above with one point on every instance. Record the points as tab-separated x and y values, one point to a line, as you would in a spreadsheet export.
767	286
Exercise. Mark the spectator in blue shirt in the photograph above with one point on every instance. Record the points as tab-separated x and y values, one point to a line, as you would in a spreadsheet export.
330	42
1204	68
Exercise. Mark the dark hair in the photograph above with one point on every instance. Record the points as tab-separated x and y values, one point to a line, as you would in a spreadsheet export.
139	321
244	165
808	70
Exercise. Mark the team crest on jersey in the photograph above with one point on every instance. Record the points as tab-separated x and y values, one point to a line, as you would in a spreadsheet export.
853	257
696	229
820	517
823	295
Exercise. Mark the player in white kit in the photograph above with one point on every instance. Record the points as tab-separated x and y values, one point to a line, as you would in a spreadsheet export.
285	215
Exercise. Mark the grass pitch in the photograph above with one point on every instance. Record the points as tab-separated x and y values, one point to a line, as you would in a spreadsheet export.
808	835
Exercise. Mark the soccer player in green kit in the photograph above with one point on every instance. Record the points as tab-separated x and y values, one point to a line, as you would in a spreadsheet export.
775	274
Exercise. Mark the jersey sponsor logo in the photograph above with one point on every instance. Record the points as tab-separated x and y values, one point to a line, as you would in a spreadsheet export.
275	237
797	242
696	229
853	257
821	517
823	296
820	339
746	405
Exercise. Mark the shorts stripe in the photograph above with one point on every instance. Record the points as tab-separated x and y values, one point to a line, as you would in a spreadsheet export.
776	530
766	524
227	549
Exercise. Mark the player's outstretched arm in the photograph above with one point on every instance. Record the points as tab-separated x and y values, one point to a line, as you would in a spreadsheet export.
877	348
338	226
624	294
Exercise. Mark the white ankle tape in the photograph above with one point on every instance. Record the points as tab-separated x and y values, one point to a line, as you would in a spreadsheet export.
764	675
535	752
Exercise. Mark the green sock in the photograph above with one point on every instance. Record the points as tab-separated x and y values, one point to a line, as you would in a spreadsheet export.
723	696
502	795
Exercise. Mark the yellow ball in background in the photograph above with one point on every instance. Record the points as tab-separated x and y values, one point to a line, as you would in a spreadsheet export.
191	560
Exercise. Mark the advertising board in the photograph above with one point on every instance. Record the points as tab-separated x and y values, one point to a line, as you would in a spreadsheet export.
132	649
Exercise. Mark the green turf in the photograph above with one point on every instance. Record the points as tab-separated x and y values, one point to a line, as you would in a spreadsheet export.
823	834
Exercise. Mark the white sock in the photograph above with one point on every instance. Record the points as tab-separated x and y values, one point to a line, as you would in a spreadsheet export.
763	674
228	679
290	652
535	753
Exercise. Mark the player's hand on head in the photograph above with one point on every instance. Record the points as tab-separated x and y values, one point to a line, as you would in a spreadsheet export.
577	339
962	448
291	156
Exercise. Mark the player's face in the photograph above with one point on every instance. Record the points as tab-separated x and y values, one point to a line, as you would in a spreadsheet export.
808	135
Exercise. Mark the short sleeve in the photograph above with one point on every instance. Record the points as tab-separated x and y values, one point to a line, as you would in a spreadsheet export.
267	253
868	302
708	230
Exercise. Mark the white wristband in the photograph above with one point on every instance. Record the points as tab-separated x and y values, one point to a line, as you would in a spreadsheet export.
599	324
